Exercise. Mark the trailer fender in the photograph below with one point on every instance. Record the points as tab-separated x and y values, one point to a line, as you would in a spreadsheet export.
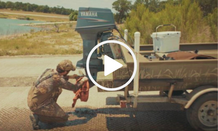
198	94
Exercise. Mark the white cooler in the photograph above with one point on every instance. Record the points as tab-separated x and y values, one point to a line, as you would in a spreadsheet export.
167	41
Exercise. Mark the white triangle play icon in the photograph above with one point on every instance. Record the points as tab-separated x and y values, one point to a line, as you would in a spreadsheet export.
110	65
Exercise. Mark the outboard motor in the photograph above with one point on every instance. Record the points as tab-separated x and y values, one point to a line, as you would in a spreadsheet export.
94	25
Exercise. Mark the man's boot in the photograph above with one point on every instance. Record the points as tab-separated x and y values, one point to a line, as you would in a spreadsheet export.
35	121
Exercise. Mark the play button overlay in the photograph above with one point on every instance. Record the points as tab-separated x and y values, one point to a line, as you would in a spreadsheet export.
109	67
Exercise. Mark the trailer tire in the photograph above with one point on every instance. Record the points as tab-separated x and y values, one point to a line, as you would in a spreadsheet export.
202	115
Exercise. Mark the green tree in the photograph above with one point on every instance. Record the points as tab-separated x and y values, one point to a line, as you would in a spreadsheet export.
186	16
144	2
207	6
73	16
45	9
152	5
122	7
28	7
192	21
9	4
2	5
212	22
34	7
141	20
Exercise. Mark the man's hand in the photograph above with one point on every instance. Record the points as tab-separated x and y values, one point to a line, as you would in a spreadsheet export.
81	81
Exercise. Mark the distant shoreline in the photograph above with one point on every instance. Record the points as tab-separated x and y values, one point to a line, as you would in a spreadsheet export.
12	13
47	23
36	16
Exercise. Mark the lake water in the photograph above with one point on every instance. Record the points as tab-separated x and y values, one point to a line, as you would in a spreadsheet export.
11	26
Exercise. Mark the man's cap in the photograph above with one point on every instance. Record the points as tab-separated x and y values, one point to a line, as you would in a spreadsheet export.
67	65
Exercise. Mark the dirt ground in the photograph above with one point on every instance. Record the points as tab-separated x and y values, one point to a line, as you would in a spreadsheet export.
102	119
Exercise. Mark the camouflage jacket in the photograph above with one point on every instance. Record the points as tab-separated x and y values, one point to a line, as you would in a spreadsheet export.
46	87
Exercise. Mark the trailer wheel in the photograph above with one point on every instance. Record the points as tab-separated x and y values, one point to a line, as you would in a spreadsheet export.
202	115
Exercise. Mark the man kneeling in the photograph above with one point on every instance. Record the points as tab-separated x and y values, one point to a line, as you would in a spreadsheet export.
44	93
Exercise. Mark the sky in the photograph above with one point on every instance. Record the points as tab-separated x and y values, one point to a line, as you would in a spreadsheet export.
71	4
